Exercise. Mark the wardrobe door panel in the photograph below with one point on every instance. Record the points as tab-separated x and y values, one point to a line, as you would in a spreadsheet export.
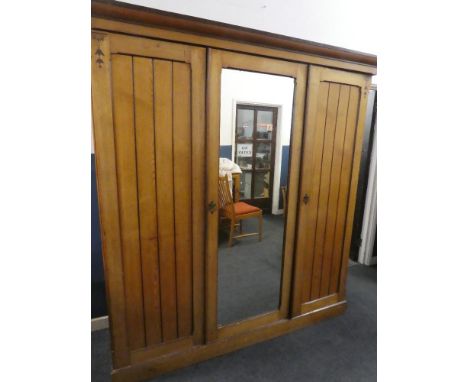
155	128
263	75
331	148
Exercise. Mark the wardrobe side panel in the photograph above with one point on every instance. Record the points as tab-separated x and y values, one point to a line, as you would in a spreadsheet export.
104	144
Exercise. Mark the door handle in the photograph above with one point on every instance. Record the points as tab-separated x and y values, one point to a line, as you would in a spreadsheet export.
212	207
306	198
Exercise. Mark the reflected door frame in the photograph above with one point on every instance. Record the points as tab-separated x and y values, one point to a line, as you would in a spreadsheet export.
218	60
266	204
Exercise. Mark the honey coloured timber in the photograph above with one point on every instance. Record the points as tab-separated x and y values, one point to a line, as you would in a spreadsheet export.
156	93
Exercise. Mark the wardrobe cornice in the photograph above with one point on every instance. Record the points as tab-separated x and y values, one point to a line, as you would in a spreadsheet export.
118	11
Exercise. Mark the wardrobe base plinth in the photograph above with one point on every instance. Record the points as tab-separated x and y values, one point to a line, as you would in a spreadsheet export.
170	362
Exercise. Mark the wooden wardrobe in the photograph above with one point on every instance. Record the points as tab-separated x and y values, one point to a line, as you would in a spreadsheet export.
156	101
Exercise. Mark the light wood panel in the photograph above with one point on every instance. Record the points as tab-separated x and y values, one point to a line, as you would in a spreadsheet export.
183	195
122	85
198	76
152	136
151	352
165	195
329	235
293	188
146	164
301	279
146	47
104	145
351	120
331	141
320	303
213	108
328	144
310	183
362	105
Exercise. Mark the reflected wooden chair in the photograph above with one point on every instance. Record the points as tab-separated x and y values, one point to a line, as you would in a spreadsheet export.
236	186
235	212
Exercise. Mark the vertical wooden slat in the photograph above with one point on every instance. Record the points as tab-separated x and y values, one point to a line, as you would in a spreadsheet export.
144	132
334	188
344	188
108	197
324	192
212	139
165	195
312	167
198	71
182	195
128	196
361	106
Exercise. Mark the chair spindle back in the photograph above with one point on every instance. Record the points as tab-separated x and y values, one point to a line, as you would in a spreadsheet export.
224	194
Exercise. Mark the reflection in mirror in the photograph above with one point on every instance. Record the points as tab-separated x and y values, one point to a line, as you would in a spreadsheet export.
256	117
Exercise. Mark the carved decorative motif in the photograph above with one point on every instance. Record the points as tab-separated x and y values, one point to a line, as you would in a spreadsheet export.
99	54
366	89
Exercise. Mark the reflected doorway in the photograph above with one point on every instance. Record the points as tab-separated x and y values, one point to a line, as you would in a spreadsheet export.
255	153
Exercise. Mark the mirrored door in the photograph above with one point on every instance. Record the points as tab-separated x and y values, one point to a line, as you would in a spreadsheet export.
255	113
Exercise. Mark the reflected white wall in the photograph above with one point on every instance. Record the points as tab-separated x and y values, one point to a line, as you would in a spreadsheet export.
241	87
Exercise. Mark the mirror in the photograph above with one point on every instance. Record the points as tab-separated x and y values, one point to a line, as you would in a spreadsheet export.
255	130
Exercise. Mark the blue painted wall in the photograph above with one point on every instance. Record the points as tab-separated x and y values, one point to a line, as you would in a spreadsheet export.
284	172
225	152
98	293
97	269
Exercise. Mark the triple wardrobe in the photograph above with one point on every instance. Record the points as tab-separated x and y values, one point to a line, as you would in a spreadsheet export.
227	163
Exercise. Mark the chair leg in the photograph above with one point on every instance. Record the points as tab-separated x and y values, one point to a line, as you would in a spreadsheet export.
231	232
260	227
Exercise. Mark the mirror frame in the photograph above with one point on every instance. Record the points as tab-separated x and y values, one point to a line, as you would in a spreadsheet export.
218	60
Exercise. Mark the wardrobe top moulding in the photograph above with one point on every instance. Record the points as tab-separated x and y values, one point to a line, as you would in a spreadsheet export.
147	22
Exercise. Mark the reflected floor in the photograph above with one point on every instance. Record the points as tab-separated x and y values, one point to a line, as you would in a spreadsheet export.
249	272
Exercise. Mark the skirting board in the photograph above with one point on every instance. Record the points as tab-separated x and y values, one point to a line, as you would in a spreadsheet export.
99	323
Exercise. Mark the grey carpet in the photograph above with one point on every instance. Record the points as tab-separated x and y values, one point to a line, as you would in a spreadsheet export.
340	349
249	272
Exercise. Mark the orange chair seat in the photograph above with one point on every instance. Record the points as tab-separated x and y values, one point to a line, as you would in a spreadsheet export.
241	208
